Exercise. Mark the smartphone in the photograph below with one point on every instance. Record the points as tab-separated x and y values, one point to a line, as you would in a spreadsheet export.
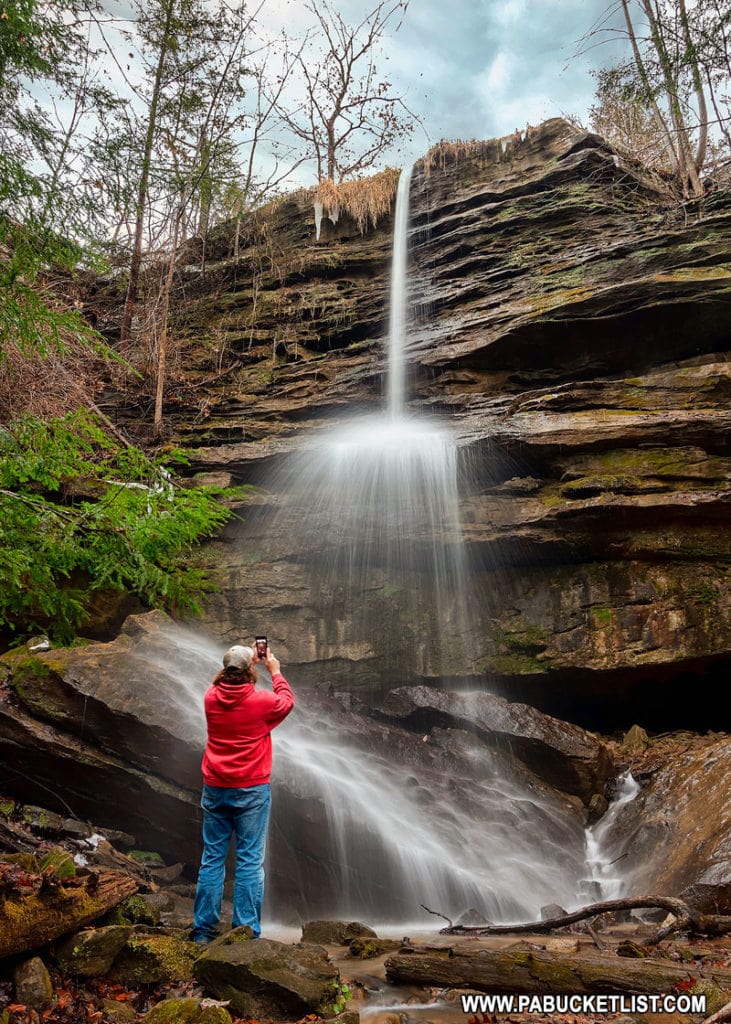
261	647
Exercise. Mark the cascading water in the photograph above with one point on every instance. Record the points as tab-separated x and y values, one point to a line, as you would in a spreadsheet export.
603	853
371	821
371	508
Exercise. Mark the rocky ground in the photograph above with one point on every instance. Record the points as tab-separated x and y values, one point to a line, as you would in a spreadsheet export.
132	961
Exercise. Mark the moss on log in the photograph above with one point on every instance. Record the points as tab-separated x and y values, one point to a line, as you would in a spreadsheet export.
36	919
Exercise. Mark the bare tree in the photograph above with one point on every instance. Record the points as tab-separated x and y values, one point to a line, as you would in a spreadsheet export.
350	115
679	69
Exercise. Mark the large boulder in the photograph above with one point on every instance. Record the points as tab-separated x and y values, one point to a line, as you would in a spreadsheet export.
91	952
118	727
267	979
675	836
565	756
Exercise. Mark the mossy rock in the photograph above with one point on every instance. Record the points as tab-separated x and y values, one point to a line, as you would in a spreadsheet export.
117	1012
716	997
266	979
337	933
155	958
147	858
92	951
242	934
174	1011
41	819
135	910
214	1015
363	948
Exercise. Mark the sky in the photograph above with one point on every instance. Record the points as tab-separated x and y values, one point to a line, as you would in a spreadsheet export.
467	68
484	68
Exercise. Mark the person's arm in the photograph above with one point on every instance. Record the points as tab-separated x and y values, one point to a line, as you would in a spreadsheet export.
283	695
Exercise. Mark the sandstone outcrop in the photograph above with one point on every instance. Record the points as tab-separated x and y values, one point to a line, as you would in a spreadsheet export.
572	329
680	819
572	759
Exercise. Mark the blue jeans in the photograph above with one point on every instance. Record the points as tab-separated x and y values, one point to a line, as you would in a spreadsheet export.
244	812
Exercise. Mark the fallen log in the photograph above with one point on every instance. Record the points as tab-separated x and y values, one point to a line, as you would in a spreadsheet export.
686	919
722	1015
532	971
37	918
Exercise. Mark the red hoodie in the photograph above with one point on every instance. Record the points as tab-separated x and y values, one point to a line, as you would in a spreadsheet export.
240	720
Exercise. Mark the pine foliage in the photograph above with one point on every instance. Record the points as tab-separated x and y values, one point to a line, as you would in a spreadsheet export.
80	513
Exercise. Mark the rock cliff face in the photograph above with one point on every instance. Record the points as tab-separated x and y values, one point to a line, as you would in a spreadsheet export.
572	329
572	333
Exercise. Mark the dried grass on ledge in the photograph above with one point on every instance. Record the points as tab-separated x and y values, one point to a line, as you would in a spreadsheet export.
447	152
366	200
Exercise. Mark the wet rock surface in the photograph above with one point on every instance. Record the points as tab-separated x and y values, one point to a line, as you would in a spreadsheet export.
680	820
92	952
338	932
570	758
572	329
264	978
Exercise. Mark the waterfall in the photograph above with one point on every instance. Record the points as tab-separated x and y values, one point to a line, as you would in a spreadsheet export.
399	298
370	819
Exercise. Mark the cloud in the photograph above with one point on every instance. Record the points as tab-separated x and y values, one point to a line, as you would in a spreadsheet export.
496	78
475	69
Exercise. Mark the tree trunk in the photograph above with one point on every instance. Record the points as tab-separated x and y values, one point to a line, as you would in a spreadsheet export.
700	157
35	920
689	175
686	919
660	121
540	971
136	261
162	338
205	188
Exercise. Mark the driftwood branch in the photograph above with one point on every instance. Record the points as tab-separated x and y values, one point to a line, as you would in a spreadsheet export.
686	919
719	1016
437	914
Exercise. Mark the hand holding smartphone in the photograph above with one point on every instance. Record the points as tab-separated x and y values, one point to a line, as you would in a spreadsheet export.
260	647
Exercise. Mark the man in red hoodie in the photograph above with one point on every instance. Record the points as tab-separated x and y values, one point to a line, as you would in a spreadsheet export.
236	798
